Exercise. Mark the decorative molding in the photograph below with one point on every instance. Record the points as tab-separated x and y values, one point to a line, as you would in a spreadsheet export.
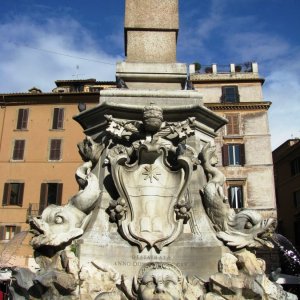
238	106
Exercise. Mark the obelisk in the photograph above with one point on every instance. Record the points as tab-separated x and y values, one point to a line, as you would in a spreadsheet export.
151	30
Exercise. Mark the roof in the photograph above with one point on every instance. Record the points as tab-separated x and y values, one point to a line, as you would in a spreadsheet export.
80	81
285	148
46	98
60	83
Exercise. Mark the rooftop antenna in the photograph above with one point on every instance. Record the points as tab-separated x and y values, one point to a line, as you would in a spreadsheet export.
77	73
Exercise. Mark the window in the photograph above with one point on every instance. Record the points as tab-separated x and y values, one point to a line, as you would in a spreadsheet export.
235	196
58	118
233	154
51	193
233	126
8	232
22	118
297	199
19	147
297	233
13	194
230	94
295	166
55	149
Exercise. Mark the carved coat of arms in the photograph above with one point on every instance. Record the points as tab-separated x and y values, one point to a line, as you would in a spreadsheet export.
151	177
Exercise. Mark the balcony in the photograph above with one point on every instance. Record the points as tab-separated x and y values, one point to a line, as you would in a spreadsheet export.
247	70
34	210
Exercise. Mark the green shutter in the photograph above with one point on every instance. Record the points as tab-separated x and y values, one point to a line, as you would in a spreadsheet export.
20	194
59	193
2	232
242	153
55	118
43	197
5	200
225	155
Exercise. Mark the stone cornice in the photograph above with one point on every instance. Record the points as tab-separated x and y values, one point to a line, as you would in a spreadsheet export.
225	78
48	98
239	106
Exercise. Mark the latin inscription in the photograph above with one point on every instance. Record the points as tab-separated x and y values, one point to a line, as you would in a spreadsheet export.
122	263
151	257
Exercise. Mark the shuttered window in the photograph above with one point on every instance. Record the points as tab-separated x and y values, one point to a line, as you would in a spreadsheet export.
233	154
230	94
233	126
18	152
55	149
8	232
295	166
58	118
22	118
51	193
297	199
13	194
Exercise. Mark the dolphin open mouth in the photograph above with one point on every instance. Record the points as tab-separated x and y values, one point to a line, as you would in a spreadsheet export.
268	227
37	226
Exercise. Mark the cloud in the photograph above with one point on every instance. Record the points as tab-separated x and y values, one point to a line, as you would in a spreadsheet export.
282	88
22	67
256	46
224	36
194	38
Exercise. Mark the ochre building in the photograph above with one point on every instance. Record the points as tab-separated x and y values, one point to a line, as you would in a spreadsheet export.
38	138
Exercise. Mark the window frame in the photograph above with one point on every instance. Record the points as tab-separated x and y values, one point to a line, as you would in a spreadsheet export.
58	118
227	157
53	156
3	232
226	96
296	196
7	194
240	186
22	119
18	150
44	195
295	166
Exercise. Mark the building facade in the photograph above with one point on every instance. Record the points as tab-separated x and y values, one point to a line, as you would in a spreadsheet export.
286	160
243	145
38	153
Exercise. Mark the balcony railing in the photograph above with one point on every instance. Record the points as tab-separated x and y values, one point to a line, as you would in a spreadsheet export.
248	67
34	210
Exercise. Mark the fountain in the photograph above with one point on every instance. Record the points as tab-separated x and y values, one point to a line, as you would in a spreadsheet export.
151	220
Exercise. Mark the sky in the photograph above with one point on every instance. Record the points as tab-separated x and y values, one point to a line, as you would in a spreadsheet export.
43	41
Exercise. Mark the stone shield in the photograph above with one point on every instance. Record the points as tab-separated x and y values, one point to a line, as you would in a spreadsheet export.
151	188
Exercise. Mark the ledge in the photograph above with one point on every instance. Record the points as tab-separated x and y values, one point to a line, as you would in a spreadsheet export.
238	106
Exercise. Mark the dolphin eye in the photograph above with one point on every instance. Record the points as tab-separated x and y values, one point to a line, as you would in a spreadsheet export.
59	220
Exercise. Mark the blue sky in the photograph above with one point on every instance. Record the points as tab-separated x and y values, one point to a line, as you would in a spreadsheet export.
211	31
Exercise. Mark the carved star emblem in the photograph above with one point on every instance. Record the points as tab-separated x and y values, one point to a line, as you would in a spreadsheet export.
150	172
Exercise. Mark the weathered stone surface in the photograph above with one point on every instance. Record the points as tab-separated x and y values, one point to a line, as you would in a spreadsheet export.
227	264
151	28
149	14
151	46
96	279
249	283
154	76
